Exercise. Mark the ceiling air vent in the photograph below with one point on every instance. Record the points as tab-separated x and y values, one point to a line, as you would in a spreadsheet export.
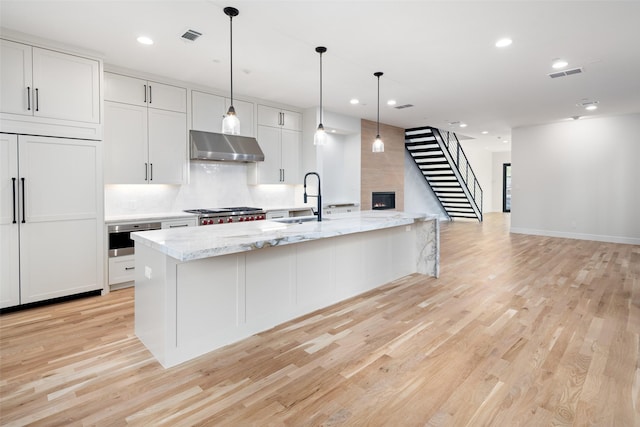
566	72
191	35
400	107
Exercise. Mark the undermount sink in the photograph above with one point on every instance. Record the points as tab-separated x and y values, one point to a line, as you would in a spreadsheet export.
297	219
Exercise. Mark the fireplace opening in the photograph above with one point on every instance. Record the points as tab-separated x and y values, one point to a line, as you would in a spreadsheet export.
383	200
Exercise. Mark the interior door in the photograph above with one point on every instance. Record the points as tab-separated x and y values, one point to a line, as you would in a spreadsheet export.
9	221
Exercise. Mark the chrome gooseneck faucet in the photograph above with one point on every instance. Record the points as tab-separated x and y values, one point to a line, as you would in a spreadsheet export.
318	196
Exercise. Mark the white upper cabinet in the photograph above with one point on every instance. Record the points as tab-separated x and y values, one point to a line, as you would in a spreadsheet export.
134	91
280	138
47	91
145	132
207	111
276	117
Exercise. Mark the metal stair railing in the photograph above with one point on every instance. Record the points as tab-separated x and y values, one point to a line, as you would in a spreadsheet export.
452	144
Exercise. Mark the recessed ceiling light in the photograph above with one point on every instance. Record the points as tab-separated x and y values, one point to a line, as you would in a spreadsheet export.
504	42
391	102
484	132
463	125
559	63
505	142
354	101
333	131
591	107
145	40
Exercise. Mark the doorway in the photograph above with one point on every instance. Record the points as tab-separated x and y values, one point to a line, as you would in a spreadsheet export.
506	187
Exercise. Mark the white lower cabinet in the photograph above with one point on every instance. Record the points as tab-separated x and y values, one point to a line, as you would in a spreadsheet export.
50	218
122	269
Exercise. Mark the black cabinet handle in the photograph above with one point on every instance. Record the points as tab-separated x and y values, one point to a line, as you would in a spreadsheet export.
24	196
28	98
151	174
37	101
150	101
146	172
145	93
129	268
14	200
282	175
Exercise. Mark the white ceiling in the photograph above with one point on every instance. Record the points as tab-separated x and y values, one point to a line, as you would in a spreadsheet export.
438	56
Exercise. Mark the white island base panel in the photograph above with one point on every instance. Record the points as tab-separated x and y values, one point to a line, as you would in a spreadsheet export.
184	309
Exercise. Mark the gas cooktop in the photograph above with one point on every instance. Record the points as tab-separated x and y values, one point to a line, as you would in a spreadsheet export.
227	215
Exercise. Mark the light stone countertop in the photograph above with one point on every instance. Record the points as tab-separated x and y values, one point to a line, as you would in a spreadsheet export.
192	243
114	219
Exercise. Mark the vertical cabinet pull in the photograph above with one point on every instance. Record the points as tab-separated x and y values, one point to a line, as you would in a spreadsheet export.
24	196
151	174
145	94
282	175
14	200
150	98
37	101
28	98
146	171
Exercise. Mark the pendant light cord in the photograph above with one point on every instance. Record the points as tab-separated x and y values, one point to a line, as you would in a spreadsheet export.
231	54
320	87
378	129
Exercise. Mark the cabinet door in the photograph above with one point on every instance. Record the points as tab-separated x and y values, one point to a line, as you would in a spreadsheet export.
125	143
207	111
9	212
167	147
167	97
269	171
291	141
291	120
66	87
15	78
59	241
269	116
128	90
244	111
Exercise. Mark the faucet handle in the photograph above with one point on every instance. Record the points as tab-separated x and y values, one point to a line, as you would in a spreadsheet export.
305	197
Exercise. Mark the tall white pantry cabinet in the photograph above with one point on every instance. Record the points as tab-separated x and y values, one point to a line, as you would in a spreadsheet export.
51	189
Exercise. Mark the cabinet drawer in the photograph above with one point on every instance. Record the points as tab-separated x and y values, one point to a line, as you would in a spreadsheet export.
122	269
178	223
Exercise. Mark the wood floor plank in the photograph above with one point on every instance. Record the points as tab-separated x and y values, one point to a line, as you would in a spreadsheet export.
518	330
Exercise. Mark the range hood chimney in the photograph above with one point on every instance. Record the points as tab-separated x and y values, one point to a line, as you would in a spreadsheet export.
223	147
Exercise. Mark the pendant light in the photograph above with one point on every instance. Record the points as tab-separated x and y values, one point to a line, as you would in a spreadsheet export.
320	137
378	145
231	123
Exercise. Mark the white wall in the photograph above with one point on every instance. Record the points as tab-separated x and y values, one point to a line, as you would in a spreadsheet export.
499	158
578	179
481	161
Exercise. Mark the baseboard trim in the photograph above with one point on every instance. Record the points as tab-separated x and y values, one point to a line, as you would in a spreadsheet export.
578	236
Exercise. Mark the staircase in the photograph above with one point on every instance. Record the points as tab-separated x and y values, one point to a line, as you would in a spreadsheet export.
440	158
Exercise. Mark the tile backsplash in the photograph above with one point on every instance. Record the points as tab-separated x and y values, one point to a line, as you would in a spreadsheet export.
212	185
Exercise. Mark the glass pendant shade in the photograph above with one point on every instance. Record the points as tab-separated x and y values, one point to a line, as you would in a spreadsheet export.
231	123
378	145
320	137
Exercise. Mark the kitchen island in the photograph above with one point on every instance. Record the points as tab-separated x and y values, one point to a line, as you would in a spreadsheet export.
200	288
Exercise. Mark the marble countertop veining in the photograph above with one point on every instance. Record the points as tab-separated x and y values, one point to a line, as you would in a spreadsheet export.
192	243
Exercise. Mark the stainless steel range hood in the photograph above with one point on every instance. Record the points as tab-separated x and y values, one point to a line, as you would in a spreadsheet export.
222	147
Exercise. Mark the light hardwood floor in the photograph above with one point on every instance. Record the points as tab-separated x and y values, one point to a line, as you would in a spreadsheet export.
518	330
